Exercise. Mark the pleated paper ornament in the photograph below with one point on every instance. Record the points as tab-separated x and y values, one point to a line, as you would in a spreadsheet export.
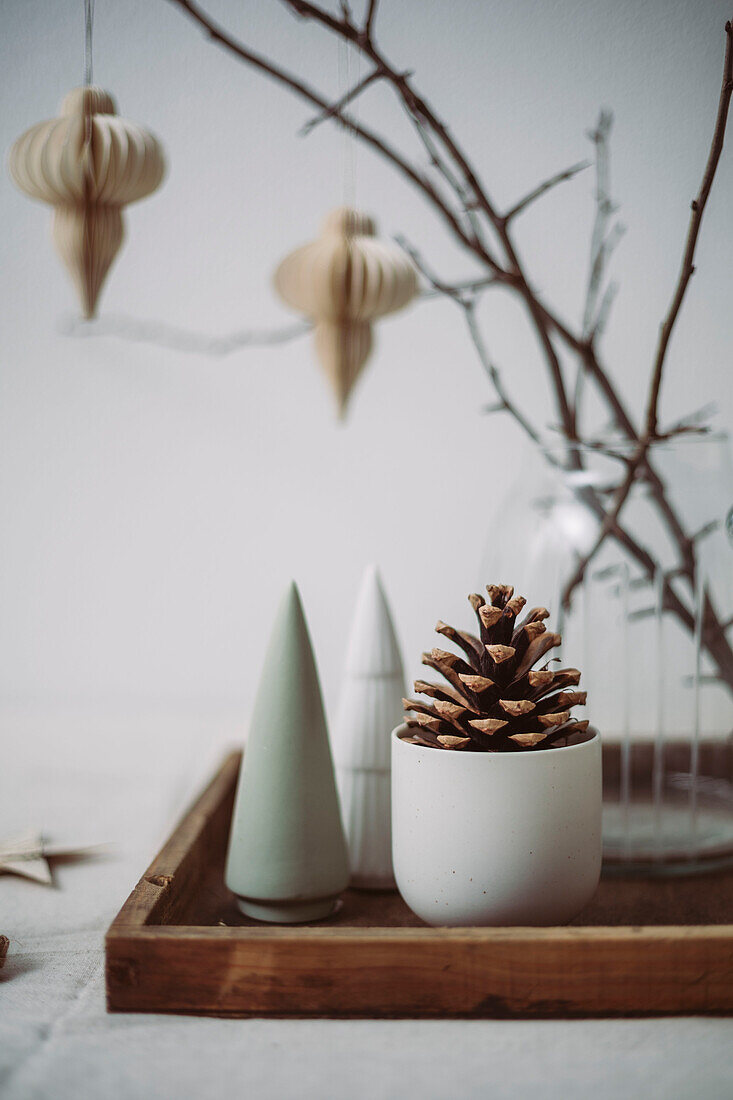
87	164
370	707
344	281
287	859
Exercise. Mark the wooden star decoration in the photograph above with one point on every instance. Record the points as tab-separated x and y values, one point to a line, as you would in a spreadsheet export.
28	855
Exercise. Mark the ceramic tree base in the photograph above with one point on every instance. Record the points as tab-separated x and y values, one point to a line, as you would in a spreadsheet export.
297	912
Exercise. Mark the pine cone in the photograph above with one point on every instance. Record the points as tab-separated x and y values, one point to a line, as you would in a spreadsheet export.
494	699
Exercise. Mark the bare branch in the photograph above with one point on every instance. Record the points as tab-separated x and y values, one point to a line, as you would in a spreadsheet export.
370	17
474	196
466	208
698	209
543	188
495	378
474	287
439	287
602	245
343	26
470	187
608	525
705	530
222	38
640	458
604	311
181	339
335	109
595	280
599	253
455	184
684	429
697	421
465	298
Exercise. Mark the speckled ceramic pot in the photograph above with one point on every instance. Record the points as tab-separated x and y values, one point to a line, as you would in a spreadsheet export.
496	838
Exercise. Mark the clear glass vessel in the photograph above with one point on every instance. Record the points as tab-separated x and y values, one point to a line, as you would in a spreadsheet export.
651	627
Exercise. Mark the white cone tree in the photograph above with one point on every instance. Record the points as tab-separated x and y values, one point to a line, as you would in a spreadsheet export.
287	859
369	709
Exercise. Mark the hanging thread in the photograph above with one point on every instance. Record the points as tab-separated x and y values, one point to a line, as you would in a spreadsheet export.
349	77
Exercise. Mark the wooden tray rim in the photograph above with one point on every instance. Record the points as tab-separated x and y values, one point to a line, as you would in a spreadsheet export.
132	920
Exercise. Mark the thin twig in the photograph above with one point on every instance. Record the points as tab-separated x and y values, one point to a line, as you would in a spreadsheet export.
180	339
698	209
370	17
336	108
597	272
599	252
639	459
507	405
464	295
543	188
595	317
697	421
275	72
455	184
604	311
468	286
471	186
610	521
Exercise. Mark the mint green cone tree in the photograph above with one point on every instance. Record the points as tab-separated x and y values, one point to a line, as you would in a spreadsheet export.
287	859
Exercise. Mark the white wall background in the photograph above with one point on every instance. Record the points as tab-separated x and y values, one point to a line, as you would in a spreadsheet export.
154	503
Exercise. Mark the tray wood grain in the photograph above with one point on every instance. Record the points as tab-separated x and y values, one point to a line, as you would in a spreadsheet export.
179	944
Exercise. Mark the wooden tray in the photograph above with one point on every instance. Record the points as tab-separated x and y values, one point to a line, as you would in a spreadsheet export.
179	944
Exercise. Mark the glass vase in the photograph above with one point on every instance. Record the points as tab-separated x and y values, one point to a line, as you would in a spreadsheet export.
651	627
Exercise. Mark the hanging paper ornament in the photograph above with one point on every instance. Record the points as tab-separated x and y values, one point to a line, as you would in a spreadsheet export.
343	281
87	164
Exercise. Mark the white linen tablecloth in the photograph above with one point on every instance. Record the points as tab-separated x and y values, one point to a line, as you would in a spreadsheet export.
124	781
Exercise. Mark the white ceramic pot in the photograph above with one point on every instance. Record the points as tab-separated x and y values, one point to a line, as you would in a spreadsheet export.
496	838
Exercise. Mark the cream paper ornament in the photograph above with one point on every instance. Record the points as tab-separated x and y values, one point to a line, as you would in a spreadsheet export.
87	164
344	281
